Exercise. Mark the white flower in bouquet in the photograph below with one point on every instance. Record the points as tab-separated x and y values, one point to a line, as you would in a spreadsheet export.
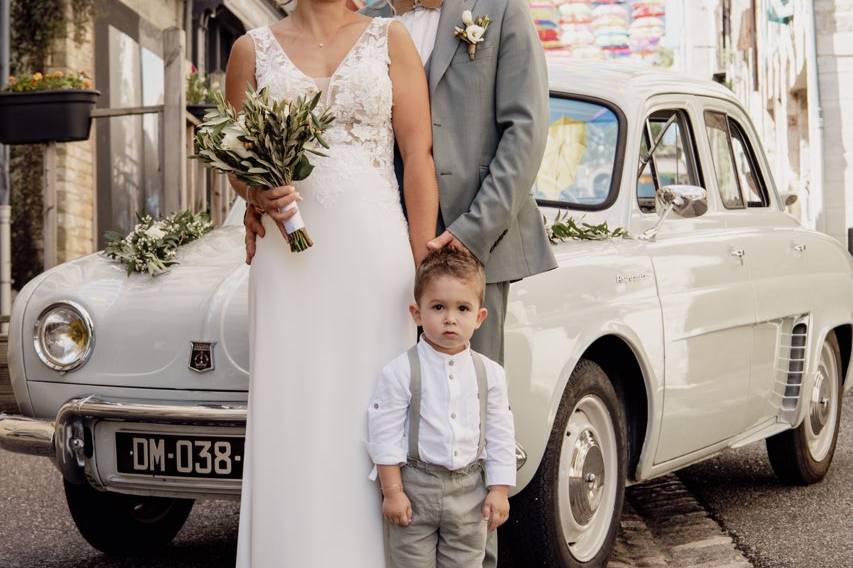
155	231
266	144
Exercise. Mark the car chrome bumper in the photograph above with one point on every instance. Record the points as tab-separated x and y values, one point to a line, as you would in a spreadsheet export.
26	435
68	440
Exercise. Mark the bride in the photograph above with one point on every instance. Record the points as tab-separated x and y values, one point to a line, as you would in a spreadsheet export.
324	322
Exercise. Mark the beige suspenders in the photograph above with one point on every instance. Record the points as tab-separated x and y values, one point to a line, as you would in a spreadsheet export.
415	401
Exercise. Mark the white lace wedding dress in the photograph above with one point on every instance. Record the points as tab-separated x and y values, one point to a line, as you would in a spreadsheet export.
323	323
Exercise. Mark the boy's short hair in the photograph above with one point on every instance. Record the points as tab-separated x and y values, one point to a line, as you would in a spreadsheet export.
449	261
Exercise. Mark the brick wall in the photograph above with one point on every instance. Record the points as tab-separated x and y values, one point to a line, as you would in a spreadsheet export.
75	177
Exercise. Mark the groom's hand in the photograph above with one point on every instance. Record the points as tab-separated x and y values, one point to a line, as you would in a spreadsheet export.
446	239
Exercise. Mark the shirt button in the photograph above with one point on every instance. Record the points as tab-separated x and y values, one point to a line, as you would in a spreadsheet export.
455	453
451	377
376	405
450	362
453	415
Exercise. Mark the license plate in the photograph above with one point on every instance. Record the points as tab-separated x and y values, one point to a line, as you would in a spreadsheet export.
218	457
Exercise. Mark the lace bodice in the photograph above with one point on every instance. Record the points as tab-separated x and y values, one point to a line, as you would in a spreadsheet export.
359	95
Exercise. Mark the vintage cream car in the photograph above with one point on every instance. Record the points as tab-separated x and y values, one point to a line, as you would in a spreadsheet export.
720	322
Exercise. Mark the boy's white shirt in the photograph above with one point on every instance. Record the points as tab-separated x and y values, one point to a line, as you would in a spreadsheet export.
450	415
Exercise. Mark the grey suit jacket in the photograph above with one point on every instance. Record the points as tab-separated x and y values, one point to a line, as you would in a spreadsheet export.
489	126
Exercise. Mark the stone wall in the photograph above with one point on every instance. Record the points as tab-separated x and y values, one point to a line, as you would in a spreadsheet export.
834	20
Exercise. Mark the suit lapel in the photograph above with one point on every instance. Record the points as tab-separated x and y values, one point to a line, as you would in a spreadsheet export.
445	42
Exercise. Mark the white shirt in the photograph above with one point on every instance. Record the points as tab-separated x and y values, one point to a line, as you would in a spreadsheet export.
423	27
450	415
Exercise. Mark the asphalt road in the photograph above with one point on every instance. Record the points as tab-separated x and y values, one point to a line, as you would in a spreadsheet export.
777	526
36	530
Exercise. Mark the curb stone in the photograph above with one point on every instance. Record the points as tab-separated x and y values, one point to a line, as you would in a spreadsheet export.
664	525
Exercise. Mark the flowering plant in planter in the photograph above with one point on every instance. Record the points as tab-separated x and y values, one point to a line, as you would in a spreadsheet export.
200	93
30	82
46	107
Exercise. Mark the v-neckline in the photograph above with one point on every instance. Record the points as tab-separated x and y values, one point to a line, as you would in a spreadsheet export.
340	63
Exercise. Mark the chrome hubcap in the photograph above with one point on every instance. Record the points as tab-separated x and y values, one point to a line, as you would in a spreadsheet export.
823	405
819	412
587	478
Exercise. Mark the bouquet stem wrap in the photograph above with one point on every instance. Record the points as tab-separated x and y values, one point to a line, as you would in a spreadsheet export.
297	235
266	145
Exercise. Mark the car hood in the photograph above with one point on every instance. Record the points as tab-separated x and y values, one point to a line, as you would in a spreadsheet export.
144	326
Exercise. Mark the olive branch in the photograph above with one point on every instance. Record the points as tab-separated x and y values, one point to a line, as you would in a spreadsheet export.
565	227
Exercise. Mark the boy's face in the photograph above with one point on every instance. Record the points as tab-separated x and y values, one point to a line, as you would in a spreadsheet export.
450	312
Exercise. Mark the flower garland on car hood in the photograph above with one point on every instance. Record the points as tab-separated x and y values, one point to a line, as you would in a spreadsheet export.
152	245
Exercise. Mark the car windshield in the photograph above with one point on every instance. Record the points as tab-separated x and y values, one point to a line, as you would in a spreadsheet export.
578	166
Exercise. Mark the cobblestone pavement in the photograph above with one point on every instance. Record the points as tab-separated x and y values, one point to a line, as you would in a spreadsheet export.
664	526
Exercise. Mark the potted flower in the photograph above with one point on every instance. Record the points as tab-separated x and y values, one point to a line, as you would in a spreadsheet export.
54	107
199	94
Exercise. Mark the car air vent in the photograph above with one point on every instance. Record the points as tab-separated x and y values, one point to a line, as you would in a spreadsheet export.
792	362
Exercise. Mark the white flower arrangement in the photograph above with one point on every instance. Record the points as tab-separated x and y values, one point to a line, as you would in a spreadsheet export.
152	245
473	33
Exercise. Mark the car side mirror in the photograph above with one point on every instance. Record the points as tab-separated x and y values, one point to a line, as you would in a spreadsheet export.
685	201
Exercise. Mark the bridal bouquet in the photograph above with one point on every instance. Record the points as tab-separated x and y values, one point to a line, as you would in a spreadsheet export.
152	245
266	144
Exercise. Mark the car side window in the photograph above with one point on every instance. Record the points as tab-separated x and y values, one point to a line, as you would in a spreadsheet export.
719	139
673	158
748	173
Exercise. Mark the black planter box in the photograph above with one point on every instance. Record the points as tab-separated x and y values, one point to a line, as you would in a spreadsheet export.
46	116
199	111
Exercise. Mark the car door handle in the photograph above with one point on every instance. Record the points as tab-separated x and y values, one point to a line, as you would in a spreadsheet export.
738	254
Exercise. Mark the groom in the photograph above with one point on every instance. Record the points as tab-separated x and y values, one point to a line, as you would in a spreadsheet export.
489	127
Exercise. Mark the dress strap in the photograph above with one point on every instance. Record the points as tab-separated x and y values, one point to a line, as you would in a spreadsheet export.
265	53
414	402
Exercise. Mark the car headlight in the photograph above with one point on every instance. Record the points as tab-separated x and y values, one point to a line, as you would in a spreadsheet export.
64	336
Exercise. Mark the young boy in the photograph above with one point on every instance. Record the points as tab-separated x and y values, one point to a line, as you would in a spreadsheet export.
439	420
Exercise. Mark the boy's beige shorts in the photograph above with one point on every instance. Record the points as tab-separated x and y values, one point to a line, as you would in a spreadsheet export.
447	529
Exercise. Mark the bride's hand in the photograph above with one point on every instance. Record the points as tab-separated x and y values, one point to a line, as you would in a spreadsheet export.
254	229
397	509
273	201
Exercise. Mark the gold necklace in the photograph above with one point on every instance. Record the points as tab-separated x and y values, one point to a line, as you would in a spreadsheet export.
301	31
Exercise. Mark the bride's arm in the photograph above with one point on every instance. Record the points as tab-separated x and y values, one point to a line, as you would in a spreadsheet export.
413	131
239	74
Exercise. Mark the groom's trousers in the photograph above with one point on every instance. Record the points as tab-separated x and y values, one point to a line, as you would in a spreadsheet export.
489	340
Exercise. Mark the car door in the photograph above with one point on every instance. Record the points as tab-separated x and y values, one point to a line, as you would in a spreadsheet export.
703	284
777	265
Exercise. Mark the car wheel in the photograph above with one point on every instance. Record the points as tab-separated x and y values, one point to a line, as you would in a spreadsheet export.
802	456
569	514
121	524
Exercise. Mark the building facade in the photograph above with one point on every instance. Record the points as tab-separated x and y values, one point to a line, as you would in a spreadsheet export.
791	64
104	182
